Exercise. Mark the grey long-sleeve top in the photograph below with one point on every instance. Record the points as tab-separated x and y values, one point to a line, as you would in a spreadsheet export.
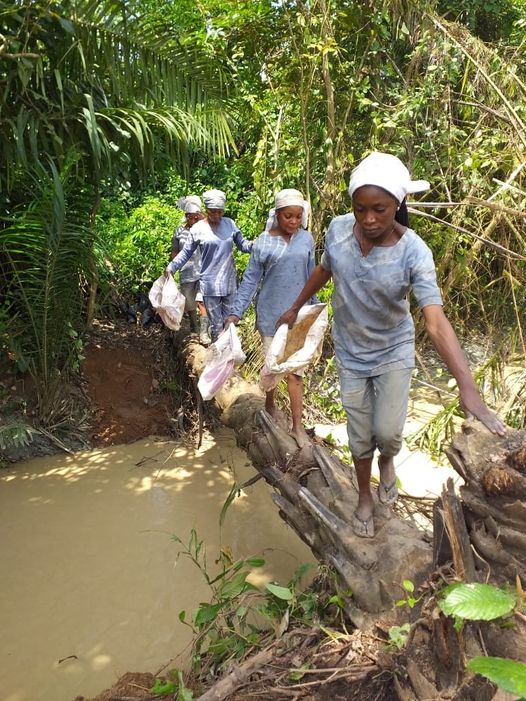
218	271
277	272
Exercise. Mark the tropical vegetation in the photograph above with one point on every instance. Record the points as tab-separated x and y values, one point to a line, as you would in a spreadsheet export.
111	111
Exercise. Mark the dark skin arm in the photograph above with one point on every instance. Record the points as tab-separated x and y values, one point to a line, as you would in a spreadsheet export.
319	277
444	339
446	343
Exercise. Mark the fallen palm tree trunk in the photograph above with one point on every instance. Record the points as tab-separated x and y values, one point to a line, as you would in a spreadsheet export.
316	496
482	532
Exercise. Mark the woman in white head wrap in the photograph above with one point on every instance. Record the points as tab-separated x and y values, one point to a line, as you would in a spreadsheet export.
215	237
375	262
192	207
280	264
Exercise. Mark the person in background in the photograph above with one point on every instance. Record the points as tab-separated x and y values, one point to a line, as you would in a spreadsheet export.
190	272
281	262
215	237
375	260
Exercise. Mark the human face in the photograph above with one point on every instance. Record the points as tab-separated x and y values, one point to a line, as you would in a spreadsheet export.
214	216
374	209
289	219
192	218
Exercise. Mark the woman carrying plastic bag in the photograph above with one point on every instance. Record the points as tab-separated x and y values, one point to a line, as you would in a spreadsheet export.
292	350
222	358
280	264
167	301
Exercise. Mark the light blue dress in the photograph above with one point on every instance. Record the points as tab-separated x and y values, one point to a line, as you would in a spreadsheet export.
277	271
373	329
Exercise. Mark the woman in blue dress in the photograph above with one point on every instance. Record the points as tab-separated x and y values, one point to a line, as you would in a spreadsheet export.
215	236
281	262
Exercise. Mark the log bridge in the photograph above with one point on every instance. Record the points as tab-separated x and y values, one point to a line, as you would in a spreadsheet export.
483	532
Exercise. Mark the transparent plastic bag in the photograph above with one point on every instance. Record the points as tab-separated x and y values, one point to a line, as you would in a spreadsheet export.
222	358
292	350
168	301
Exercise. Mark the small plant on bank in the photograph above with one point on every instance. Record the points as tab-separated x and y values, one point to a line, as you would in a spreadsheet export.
398	636
486	602
409	598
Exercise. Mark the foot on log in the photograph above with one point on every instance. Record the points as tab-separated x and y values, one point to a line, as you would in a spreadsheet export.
387	494
300	436
363	528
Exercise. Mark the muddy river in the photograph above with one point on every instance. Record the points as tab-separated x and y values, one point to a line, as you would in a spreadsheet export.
90	583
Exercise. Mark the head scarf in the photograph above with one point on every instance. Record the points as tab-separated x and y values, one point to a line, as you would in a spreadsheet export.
214	199
190	204
288	198
388	172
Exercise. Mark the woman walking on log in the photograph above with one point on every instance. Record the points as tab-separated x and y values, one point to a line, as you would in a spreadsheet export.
215	236
188	273
375	260
281	262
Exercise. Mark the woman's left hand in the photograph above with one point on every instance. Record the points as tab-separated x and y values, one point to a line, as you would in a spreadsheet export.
472	405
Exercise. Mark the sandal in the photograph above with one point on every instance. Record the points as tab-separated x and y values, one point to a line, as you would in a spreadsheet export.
387	494
362	528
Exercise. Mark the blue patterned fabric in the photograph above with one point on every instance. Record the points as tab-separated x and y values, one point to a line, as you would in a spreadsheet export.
190	271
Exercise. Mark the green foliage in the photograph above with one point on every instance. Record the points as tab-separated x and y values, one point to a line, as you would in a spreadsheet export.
476	602
398	636
15	435
47	254
409	598
137	245
175	688
506	674
227	627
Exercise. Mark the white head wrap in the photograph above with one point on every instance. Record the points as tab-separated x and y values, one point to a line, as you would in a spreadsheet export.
388	172
288	198
191	204
214	199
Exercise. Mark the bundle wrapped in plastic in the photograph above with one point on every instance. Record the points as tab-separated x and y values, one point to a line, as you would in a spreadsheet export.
167	301
292	350
222	358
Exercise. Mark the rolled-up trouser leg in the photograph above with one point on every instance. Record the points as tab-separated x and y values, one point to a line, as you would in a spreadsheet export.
376	409
391	392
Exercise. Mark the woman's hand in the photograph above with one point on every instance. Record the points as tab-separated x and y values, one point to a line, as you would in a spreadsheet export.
232	319
472	405
288	317
168	273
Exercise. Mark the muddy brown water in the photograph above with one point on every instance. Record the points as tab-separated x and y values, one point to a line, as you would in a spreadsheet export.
90	583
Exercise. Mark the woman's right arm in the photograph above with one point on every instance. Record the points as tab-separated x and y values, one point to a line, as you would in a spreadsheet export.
319	277
248	287
183	256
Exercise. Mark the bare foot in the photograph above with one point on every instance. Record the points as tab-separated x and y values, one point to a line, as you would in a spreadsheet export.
300	436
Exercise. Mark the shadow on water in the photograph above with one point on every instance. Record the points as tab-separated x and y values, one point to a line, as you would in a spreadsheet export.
91	585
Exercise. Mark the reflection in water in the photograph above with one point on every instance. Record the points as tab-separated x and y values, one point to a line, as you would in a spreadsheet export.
91	586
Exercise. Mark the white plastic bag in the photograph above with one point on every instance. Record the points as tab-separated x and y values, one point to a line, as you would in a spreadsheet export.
293	349
167	301
222	357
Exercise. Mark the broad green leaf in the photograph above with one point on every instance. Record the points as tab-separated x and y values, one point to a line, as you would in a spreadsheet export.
255	562
207	613
283	593
507	674
477	602
234	587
